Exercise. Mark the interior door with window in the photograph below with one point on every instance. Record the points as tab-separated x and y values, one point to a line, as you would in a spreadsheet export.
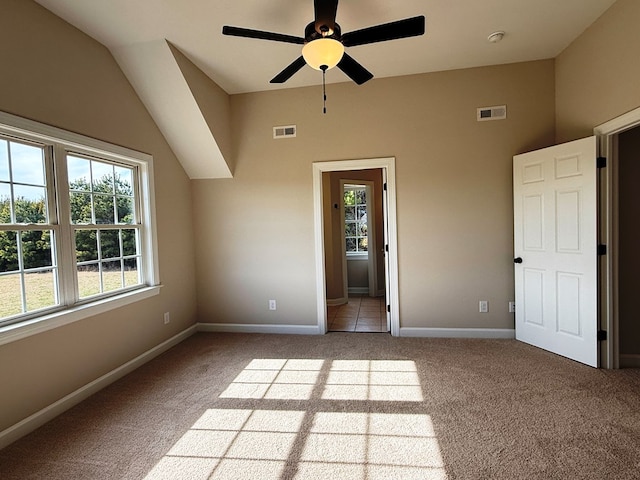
555	236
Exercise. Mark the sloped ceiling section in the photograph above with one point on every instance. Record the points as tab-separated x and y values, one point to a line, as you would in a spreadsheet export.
189	108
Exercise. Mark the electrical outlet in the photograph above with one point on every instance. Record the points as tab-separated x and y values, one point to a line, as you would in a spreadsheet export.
484	306
512	307
167	318
272	304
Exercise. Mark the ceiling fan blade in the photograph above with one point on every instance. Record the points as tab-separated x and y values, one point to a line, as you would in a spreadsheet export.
259	34
325	14
354	70
288	72
409	27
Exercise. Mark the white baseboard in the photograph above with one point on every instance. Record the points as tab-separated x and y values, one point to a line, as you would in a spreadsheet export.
48	413
458	332
629	361
334	302
358	290
258	328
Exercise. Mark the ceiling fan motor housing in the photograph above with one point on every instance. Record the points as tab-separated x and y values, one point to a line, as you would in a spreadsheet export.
311	33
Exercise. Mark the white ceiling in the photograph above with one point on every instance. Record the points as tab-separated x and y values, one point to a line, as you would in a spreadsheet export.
456	34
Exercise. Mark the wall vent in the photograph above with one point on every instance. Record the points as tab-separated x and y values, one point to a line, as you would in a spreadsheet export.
288	131
492	113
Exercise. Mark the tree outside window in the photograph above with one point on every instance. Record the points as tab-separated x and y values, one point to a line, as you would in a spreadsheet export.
355	218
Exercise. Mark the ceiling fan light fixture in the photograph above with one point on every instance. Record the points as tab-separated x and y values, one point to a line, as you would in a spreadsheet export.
323	52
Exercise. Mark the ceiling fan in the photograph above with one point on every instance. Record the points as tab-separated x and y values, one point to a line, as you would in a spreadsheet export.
324	42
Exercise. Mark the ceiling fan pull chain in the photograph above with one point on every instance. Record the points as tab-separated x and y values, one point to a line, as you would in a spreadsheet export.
324	88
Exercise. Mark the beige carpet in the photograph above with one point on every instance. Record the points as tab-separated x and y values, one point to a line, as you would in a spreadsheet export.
352	406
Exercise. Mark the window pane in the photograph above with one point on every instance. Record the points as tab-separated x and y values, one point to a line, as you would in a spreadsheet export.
110	244
102	177
86	245
36	249
29	204
349	197
4	160
88	280
362	213
361	197
79	172
129	243
125	210
40	290
350	229
351	244
27	164
124	181
362	229
5	203
103	206
8	252
350	213
131	272
80	208
111	276
362	245
10	295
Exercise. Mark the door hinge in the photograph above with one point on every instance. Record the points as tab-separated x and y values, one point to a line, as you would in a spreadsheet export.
384	187
389	308
386	247
601	162
602	250
601	335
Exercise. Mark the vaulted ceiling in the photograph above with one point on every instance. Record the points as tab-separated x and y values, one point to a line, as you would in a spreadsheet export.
151	37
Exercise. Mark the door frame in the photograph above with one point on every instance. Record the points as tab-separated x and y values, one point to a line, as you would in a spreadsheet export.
607	135
387	165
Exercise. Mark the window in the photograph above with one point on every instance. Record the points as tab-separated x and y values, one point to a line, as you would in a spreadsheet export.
355	218
76	222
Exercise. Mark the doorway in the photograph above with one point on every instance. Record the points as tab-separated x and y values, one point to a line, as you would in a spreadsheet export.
387	251
619	144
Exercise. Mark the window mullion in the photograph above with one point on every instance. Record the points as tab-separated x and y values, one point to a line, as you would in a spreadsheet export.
66	244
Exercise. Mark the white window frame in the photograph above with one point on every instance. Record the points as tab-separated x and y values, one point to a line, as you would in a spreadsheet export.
356	185
67	142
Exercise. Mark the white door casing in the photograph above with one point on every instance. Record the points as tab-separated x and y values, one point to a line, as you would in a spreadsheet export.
387	164
555	235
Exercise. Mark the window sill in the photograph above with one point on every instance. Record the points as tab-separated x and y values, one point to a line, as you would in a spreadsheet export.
34	326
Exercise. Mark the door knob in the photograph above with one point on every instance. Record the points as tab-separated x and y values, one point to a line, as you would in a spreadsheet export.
517	260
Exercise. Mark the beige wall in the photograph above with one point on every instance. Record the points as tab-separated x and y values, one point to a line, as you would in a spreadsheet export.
629	254
255	237
54	74
598	75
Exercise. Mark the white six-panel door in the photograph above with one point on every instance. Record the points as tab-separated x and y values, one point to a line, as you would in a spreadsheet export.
555	222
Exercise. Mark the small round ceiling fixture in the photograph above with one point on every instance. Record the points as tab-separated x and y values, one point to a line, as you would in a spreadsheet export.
495	37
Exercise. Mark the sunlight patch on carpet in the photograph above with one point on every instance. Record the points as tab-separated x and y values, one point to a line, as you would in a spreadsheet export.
240	443
276	379
304	443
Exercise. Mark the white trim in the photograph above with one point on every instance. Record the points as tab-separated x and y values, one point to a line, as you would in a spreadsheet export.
629	361
18	331
337	301
502	333
48	413
258	328
358	290
608	143
388	165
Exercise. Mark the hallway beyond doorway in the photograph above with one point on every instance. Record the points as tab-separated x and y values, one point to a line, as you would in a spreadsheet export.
360	314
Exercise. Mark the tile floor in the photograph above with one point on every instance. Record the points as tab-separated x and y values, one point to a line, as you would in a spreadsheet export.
361	314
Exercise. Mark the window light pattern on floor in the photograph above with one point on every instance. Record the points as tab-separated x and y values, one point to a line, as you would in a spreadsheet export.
310	441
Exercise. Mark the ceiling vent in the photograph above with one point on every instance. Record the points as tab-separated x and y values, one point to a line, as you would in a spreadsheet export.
288	131
492	113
